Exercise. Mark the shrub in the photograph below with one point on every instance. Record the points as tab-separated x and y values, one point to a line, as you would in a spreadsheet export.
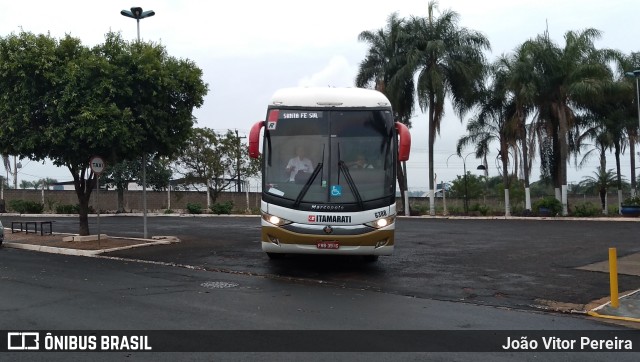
26	207
551	203
194	208
586	209
481	209
67	209
222	207
632	201
168	211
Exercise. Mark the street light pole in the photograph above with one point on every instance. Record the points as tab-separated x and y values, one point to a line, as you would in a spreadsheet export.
137	13
464	168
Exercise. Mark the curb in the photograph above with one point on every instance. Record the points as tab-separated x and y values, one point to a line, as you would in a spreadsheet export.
79	252
593	312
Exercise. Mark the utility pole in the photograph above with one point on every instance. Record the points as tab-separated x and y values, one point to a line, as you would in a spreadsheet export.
238	181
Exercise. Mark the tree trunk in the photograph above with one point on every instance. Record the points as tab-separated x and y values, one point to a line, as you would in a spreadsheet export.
632	151
84	215
432	141
83	191
619	177
402	183
603	195
120	200
525	160
504	156
563	133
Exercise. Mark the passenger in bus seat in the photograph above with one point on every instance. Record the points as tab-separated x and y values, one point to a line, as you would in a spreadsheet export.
299	164
360	162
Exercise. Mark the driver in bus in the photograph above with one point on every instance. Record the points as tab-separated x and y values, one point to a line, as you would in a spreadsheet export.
360	162
299	164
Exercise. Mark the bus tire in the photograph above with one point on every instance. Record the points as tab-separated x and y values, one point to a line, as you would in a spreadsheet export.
371	258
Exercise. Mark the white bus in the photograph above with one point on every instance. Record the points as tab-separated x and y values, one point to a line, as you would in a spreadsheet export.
329	158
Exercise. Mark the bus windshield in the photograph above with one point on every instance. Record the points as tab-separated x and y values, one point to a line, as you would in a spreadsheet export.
329	156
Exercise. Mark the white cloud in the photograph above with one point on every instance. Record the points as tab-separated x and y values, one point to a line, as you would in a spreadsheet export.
337	73
248	49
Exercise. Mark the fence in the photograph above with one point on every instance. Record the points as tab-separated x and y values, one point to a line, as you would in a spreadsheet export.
158	201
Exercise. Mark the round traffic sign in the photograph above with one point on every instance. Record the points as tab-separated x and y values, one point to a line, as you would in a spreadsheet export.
97	164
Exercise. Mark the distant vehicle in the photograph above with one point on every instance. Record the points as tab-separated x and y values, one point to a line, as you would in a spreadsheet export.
315	199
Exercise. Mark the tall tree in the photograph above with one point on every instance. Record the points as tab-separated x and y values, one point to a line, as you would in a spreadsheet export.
515	70
210	160
565	76
495	121
450	64
384	69
69	102
625	65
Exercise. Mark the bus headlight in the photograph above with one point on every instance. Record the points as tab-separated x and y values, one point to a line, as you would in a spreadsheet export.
380	223
275	220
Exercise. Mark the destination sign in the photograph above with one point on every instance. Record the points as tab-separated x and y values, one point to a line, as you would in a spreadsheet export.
300	115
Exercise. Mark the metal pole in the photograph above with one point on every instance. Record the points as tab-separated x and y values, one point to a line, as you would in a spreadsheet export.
144	171
466	202
98	206
638	104
638	100
144	192
613	277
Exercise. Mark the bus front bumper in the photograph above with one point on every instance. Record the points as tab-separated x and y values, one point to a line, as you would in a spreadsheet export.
376	242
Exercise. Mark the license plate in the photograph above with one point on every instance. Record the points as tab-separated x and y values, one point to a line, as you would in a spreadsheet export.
328	245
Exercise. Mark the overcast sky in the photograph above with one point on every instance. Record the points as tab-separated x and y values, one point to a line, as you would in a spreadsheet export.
249	49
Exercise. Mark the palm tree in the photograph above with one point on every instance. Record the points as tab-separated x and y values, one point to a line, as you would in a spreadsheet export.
381	70
450	63
625	64
600	182
565	76
496	121
519	82
608	116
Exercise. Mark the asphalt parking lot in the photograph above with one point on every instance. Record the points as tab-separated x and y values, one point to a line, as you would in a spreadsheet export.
525	264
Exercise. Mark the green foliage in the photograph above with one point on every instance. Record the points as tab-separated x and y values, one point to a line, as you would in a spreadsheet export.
516	191
483	210
222	207
475	186
117	99
213	157
67	209
194	208
420	209
50	204
26	207
586	209
551	203
168	211
632	201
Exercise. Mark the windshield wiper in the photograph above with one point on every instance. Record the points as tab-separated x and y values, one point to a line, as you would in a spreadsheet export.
308	184
342	166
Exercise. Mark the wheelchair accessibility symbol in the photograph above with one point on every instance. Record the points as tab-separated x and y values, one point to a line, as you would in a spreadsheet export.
336	190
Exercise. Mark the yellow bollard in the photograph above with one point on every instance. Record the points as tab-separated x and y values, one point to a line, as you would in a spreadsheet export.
613	277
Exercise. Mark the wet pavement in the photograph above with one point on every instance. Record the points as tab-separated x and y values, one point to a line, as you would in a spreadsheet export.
628	310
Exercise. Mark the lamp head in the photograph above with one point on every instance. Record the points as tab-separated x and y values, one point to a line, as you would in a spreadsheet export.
127	13
137	12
